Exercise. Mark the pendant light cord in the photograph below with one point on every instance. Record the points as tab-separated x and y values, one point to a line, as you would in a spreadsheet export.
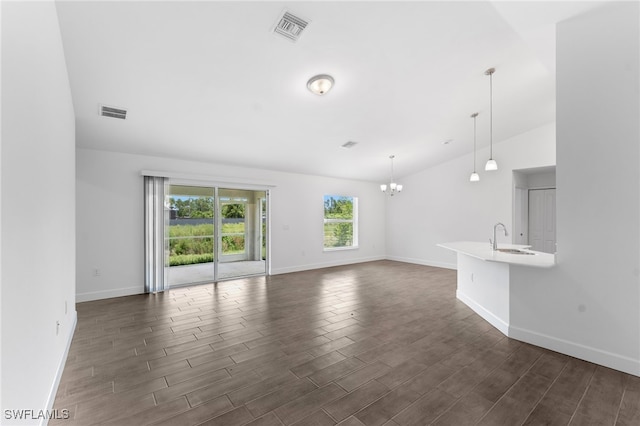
392	156
474	116
491	115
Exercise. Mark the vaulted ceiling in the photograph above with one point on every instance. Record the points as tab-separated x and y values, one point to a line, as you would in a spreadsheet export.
210	81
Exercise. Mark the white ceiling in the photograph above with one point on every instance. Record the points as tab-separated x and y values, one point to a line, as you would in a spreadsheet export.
210	81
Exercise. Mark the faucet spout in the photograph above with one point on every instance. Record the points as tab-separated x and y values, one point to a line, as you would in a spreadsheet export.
494	242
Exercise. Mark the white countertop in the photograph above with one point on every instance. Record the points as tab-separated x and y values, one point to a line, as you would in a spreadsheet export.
483	251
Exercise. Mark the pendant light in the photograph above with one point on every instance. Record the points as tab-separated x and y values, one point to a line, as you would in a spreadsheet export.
475	177
393	186
491	163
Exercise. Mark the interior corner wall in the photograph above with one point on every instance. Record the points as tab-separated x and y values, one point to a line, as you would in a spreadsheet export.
110	218
440	205
588	305
38	210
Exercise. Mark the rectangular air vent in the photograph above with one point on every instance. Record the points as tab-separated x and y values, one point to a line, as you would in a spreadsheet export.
290	26
107	111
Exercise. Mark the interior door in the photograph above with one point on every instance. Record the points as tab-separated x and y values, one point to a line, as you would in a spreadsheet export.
542	220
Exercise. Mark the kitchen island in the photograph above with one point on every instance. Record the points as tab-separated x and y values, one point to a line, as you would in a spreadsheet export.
484	276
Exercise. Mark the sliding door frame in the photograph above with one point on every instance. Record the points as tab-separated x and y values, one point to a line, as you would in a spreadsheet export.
217	224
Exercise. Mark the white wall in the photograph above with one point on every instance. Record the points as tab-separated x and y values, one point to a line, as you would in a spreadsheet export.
110	218
589	305
38	214
440	205
541	180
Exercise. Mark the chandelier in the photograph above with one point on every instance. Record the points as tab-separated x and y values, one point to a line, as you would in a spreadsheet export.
392	185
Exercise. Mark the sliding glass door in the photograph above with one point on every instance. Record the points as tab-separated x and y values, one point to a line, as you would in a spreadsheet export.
242	232
215	234
191	234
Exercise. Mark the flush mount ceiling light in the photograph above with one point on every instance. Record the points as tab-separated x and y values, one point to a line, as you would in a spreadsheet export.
491	163
393	186
320	84
475	177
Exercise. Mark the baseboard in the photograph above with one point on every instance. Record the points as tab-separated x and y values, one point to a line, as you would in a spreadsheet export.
63	360
597	356
107	294
308	267
435	264
502	326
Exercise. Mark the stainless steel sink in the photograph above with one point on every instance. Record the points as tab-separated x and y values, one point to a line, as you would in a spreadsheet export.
513	251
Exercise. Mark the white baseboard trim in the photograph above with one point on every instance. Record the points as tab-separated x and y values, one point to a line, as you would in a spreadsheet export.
63	360
300	268
487	315
435	264
107	294
597	356
576	350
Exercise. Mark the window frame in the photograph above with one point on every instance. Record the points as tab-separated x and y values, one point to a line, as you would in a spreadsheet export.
353	221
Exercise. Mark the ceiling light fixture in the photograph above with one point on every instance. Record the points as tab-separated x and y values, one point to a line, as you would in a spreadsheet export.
475	177
320	84
491	163
393	187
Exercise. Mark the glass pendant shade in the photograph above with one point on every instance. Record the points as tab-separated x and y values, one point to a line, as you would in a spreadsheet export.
383	188
491	165
474	177
399	188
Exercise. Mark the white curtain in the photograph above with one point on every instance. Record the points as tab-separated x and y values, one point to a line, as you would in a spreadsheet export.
156	248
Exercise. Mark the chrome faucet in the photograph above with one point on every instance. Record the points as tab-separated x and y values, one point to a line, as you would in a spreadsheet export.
494	242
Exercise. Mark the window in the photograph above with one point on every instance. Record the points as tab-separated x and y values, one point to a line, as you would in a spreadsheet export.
340	222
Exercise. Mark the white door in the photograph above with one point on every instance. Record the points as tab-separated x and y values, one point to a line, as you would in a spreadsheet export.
542	220
520	231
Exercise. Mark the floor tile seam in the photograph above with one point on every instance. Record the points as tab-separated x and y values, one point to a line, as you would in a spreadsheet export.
92	398
434	421
330	416
584	393
624	391
553	382
544	394
424	395
510	387
375	400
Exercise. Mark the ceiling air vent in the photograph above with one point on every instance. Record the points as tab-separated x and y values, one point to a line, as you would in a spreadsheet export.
349	144
290	26
107	111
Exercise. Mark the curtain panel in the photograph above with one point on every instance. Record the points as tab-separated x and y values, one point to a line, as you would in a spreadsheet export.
156	248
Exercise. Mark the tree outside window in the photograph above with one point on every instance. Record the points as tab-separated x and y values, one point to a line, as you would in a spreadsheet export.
340	222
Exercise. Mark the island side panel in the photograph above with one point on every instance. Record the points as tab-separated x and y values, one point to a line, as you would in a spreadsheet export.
484	287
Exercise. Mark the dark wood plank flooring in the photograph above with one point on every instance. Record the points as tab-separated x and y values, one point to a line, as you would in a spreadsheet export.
379	343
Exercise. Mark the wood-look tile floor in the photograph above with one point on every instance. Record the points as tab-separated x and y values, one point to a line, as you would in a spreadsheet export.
379	343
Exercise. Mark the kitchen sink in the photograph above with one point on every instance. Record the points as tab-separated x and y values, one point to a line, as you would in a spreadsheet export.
513	251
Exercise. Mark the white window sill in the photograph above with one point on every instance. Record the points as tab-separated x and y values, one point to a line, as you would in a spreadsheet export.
340	248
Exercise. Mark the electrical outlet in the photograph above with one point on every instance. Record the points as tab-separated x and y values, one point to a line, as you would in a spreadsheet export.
96	272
